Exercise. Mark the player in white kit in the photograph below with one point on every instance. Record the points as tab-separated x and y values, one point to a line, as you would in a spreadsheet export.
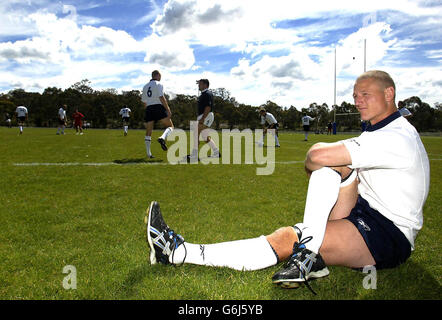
268	121
22	115
306	124
157	109
125	115
364	203
62	120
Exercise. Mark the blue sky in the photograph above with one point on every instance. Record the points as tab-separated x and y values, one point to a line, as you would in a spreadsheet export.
283	52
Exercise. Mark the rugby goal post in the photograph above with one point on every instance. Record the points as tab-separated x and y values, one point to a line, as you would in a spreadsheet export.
350	114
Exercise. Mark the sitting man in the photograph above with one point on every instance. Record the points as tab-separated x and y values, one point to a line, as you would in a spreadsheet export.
363	207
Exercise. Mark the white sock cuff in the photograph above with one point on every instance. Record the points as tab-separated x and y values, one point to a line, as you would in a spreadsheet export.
327	173
147	138
351	177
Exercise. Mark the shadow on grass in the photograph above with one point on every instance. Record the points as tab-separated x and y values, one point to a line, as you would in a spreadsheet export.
410	281
137	161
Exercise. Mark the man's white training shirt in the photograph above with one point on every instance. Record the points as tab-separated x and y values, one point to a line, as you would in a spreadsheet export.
393	170
306	120
269	118
21	111
125	112
62	114
152	92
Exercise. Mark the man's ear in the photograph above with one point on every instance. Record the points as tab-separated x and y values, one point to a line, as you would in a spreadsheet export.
389	94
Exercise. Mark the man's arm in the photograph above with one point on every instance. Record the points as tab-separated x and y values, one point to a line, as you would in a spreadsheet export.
327	155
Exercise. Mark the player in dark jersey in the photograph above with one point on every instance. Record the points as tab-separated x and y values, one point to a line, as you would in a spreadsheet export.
205	119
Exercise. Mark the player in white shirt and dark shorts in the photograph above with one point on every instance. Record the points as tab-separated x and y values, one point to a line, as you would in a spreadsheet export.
306	125
22	115
62	120
125	115
268	121
364	203
157	109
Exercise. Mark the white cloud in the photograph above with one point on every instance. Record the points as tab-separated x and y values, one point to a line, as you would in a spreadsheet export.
169	52
290	66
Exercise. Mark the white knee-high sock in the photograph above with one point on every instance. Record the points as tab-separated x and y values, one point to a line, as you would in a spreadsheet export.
147	141
276	140
166	133
323	191
248	254
213	146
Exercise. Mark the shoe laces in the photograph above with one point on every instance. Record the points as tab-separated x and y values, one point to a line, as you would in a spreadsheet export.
177	241
297	247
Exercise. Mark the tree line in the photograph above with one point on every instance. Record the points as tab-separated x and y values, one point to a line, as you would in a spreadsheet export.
101	110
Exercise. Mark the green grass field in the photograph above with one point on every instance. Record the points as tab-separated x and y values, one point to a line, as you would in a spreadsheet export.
91	217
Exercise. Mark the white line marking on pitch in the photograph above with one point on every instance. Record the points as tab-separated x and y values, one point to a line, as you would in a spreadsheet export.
102	164
99	164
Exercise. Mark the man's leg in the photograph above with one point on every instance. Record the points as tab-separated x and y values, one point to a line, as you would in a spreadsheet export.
278	246
148	137
125	127
276	137
168	247
167	122
282	240
343	245
325	192
208	140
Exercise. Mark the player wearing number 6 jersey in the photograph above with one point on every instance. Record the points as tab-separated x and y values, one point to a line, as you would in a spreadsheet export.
157	109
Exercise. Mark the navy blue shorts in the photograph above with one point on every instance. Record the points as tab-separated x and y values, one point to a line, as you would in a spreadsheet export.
387	244
155	112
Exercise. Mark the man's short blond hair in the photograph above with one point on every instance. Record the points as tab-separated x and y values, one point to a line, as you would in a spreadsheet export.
382	77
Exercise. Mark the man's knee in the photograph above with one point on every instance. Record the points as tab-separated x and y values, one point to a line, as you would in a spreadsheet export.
282	241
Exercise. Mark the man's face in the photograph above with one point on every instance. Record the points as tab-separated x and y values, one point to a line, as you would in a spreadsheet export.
370	100
202	86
